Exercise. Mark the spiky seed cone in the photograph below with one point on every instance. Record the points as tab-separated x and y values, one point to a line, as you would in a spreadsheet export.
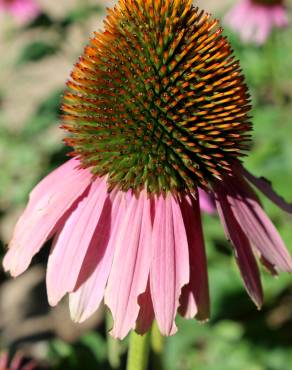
157	99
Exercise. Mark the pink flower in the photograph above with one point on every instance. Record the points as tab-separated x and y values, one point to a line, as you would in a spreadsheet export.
22	10
17	363
124	213
254	20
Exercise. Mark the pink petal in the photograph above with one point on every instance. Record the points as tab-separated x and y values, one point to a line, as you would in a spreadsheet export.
71	244
170	262
265	187
256	224
90	287
264	24
48	203
195	296
236	16
131	266
243	252
3	360
16	362
207	203
280	16
146	313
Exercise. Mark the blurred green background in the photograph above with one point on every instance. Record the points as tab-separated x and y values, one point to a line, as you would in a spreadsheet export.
35	62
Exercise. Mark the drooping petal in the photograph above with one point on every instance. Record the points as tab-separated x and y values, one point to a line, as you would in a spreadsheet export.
207	203
194	299
266	188
243	251
131	265
16	362
90	287
255	223
280	16
3	360
170	262
237	15
71	244
48	203
264	24
146	313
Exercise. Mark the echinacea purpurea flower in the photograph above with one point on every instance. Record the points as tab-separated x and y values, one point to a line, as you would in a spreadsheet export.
156	108
254	20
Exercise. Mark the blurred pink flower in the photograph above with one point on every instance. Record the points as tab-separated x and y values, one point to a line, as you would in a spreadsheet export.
22	10
144	254
17	363
254	20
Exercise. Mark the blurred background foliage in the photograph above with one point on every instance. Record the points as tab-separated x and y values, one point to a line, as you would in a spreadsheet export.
35	62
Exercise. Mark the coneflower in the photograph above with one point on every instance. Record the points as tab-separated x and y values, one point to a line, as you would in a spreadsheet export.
255	19
156	109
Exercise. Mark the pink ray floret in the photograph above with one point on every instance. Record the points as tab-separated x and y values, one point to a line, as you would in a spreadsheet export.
142	253
254	22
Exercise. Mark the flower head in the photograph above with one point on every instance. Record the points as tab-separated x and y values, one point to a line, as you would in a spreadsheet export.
22	10
157	111
255	19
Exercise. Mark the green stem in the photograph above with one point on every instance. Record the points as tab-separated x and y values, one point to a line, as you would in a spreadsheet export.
271	50
157	345
138	351
113	345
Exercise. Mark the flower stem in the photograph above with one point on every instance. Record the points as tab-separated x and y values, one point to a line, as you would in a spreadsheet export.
138	351
157	344
113	345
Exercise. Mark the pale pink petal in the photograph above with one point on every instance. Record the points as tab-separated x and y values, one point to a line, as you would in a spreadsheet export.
280	16
48	203
3	360
264	25
256	225
237	15
207	203
241	19
250	26
170	263
195	296
146	314
16	362
265	187
243	252
131	266
92	279
71	244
